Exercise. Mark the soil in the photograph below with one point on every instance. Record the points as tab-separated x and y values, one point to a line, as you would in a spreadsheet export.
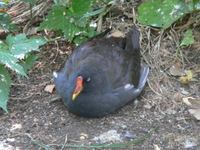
39	120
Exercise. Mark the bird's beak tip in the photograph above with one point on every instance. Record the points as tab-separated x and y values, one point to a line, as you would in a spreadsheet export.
55	74
74	96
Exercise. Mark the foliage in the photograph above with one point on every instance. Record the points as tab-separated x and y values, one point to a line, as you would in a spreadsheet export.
5	22
163	13
5	83
32	2
188	38
73	19
15	55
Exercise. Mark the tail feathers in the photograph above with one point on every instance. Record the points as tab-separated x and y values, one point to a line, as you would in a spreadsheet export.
133	41
143	76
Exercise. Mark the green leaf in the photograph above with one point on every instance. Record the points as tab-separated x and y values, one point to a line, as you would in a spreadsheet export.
188	38
94	13
6	1
5	84
162	13
32	2
80	7
63	19
19	45
11	62
56	19
196	4
61	2
29	62
3	46
5	22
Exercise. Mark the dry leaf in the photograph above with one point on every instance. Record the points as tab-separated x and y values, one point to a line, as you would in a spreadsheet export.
176	71
117	33
49	88
186	100
195	113
32	31
156	147
83	136
194	105
187	77
192	102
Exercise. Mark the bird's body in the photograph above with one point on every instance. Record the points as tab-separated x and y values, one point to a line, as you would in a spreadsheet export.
109	72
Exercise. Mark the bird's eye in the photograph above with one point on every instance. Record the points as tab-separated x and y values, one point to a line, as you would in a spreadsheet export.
88	79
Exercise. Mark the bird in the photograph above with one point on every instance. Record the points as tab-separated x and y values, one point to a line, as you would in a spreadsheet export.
102	75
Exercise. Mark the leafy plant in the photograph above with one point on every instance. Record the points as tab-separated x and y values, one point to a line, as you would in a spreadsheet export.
73	19
15	55
163	13
32	2
5	22
188	38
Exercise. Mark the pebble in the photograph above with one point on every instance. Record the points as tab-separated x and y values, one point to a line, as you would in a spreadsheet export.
109	136
15	127
184	92
128	135
83	136
5	146
190	143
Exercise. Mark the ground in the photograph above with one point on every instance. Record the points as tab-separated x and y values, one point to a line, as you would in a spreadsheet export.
159	119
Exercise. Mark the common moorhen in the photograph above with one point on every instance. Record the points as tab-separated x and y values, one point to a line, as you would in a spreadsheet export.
102	75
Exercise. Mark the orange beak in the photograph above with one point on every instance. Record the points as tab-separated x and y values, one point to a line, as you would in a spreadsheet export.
78	87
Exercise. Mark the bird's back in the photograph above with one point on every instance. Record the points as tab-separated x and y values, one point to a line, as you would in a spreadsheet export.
117	57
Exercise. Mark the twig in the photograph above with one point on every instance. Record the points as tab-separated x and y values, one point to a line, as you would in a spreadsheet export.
64	143
110	146
99	24
36	142
55	99
134	16
153	89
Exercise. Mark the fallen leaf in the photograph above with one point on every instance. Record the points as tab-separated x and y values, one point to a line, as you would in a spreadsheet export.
176	71
15	127
195	113
83	136
117	33
156	147
192	102
194	105
187	77
186	100
49	88
32	31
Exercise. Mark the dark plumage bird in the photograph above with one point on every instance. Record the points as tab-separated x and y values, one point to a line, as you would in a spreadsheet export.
102	75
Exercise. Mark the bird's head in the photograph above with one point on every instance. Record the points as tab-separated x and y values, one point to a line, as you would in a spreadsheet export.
84	80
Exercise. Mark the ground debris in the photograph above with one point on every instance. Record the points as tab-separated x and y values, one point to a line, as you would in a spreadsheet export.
194	105
109	136
190	143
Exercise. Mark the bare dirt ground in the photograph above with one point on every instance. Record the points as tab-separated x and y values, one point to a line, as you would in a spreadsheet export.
159	120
